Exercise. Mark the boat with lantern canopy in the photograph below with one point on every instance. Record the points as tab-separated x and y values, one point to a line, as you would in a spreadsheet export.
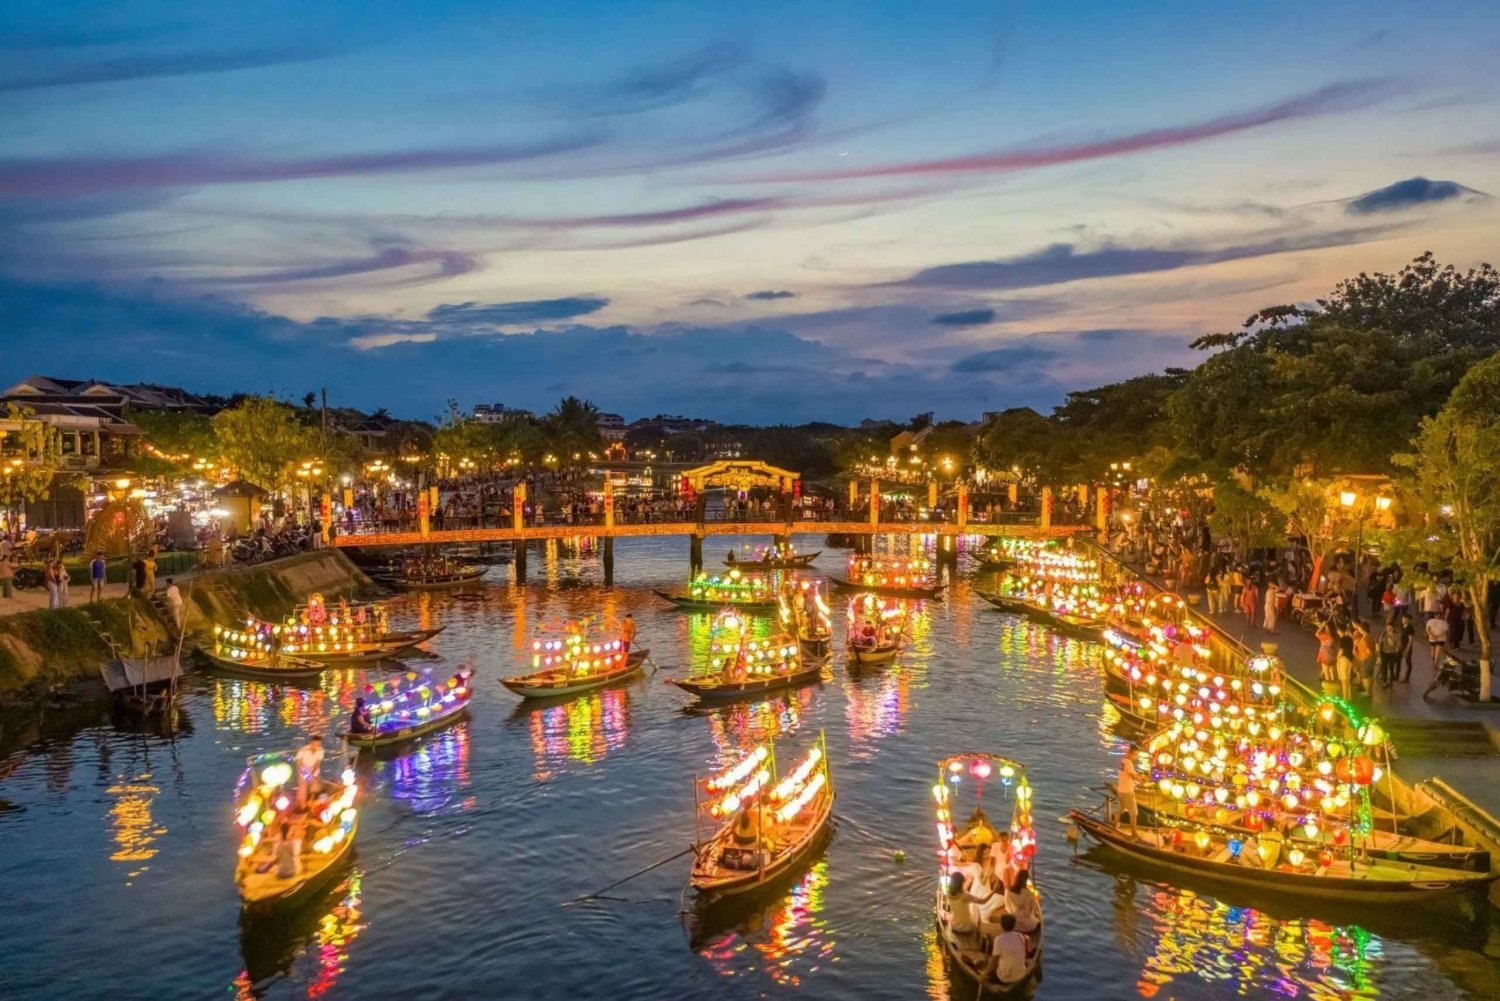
709	593
742	664
766	824
805	614
776	557
970	848
573	663
1056	587
254	651
1169	675
890	578
410	706
345	634
265	800
877	630
436	573
1006	551
1246	784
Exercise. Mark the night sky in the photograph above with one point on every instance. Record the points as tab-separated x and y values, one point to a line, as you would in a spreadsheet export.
755	212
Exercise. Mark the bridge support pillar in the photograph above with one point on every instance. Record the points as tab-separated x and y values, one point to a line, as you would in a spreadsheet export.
947	550
695	552
520	561
864	543
607	552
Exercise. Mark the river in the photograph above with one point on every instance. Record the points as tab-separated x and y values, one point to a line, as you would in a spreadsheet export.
117	847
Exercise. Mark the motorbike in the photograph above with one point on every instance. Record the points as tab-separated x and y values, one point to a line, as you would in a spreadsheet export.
1459	677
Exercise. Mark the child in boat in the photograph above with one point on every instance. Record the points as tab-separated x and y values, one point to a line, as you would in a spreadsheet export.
627	633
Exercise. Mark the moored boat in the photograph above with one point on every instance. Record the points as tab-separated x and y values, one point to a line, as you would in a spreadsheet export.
436	574
574	664
982	864
255	653
343	634
734	590
411	706
891	578
777	557
288	851
767	825
742	665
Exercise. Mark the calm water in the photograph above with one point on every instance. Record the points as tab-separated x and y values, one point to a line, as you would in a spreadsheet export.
117	848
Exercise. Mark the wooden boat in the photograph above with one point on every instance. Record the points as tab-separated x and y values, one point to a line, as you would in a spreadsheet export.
805	614
932	592
770	560
562	680
886	623
261	664
269	787
689	603
720	686
409	710
874	656
392	646
143	685
742	665
815	647
439	579
960	851
1077	626
1213	857
768	826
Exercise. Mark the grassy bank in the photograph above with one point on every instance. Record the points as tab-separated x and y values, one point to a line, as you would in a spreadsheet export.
48	647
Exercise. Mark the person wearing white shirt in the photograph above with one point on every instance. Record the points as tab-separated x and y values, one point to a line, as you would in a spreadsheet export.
1437	640
1021	900
1008	956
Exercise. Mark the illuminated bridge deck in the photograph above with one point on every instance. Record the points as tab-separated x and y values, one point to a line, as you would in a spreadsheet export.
700	530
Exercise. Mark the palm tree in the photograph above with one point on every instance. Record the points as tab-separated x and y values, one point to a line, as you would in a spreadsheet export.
572	429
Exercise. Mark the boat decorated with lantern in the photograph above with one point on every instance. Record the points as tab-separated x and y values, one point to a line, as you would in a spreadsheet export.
1058	588
891	578
742	664
805	614
709	593
1169	676
1006	551
1310	786
877	630
436	573
775	557
412	705
345	634
765	825
575	663
270	872
971	848
254	650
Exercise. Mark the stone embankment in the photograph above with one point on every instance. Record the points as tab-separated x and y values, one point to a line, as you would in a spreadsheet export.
52	648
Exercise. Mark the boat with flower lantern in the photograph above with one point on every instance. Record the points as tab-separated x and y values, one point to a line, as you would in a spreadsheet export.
973	848
766	825
709	593
574	663
877	630
410	706
268	815
1170	675
345	634
742	664
436	573
254	650
776	557
891	578
805	614
1006	551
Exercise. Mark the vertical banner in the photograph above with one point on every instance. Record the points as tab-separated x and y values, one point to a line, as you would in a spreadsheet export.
874	502
348	498
609	503
1103	515
518	507
931	494
423	528
325	522
1046	508
1012	493
963	504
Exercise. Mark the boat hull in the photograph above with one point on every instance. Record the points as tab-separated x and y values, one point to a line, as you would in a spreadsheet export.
426	726
820	646
265	898
1433	884
712	880
711	691
1077	628
685	603
876	657
531	686
394	646
791	563
955	953
438	583
295	669
930	593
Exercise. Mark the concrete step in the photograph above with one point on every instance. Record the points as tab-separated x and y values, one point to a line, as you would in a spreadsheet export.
1437	738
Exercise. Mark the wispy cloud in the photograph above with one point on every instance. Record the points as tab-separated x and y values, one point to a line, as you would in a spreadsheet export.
1335	98
475	314
65	177
965	318
770	294
448	264
660	85
153	65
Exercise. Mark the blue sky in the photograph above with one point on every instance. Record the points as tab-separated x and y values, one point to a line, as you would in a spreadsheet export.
758	212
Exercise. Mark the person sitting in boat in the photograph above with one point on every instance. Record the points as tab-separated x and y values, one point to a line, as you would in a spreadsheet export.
1007	954
1001	870
360	722
963	918
284	854
731	559
627	633
1021	901
866	639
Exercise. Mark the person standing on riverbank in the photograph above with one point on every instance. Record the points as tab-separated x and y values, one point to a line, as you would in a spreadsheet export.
7	574
49	580
96	578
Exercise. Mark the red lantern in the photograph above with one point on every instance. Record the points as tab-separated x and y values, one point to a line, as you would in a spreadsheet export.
1340	836
1363	770
1342	768
1176	839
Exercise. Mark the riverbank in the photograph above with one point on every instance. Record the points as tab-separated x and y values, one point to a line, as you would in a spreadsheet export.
48	649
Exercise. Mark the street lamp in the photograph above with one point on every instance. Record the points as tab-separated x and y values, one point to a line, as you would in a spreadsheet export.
1349	499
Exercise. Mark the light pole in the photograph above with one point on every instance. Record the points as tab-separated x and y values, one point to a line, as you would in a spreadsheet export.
1349	500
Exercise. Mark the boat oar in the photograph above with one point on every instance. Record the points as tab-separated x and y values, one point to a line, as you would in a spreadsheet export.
638	872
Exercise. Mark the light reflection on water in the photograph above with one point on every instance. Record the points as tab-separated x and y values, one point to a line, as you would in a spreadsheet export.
473	838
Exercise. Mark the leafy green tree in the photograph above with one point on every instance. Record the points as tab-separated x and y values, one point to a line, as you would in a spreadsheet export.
1245	517
684	447
572	428
1453	473
263	440
30	457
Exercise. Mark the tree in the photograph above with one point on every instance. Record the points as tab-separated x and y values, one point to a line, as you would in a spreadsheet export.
464	440
30	456
1032	446
1245	517
177	439
1453	473
572	429
262	439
